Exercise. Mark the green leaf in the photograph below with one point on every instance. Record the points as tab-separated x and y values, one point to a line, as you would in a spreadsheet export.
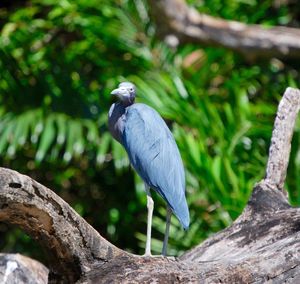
103	148
61	122
6	135
47	138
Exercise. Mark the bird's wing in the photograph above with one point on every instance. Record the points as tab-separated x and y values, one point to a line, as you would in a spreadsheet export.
153	153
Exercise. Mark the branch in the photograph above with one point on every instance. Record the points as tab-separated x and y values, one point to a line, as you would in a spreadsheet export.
267	208
280	148
183	24
72	245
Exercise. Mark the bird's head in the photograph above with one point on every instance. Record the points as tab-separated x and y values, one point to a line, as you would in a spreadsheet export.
125	93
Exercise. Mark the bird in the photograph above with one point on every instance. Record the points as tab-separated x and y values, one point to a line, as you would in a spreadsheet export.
153	153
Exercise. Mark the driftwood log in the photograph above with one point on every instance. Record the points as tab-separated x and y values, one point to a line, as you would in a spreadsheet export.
179	23
262	245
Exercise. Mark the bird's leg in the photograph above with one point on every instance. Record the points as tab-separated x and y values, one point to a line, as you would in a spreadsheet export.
150	205
168	221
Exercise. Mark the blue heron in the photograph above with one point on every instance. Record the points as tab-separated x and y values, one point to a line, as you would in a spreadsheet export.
153	153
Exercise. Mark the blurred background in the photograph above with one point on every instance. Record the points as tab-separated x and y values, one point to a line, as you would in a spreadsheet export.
59	61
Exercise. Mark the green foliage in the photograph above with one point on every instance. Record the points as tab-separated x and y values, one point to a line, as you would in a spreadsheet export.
59	60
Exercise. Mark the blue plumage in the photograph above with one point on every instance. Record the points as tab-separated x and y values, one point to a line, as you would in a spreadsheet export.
153	153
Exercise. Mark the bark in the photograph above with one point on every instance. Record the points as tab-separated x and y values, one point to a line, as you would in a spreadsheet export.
180	24
15	268
262	245
72	245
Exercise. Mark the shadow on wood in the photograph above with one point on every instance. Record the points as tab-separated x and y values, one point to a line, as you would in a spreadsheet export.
262	244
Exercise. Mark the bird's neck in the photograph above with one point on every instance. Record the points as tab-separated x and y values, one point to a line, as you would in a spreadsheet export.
116	120
128	102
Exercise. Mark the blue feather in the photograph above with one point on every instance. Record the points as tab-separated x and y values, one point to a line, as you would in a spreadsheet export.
153	153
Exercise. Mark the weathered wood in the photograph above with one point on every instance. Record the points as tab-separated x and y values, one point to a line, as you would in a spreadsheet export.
280	148
16	268
180	24
72	245
262	245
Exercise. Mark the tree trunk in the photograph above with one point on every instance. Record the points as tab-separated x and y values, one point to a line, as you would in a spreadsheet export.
262	245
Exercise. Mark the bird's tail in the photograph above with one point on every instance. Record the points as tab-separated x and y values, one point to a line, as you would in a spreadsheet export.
182	213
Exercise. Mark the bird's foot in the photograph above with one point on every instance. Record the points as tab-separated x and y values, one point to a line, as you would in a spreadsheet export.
147	255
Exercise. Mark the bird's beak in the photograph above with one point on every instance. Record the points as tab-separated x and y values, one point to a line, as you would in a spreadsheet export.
115	92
